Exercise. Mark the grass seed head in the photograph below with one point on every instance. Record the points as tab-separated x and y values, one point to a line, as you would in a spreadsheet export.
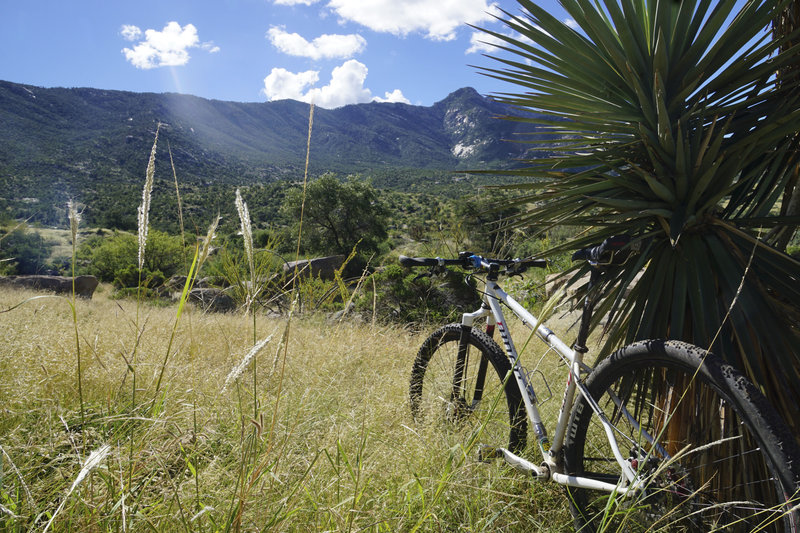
74	220
206	249
144	208
238	369
247	230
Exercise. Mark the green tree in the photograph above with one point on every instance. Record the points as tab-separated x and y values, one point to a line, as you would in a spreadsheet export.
23	251
338	216
669	124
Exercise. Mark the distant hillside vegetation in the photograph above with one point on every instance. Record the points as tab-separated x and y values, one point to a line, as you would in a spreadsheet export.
93	145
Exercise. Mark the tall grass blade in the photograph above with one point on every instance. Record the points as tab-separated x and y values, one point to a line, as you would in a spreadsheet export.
184	295
180	204
74	221
305	180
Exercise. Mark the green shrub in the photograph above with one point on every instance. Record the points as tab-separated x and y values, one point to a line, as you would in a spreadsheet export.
402	296
115	258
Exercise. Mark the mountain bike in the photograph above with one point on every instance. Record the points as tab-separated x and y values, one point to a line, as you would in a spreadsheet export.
660	435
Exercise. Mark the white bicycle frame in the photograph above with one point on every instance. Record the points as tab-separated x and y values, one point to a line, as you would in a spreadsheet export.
493	313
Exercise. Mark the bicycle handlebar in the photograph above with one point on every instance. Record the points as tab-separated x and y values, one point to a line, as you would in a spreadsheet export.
612	251
469	260
429	261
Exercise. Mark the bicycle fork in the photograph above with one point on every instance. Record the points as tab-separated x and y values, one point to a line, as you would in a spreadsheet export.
459	392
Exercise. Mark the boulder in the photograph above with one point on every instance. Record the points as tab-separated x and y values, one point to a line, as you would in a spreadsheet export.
84	285
177	282
318	267
214	300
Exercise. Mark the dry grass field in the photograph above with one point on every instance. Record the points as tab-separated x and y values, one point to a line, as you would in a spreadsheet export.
318	438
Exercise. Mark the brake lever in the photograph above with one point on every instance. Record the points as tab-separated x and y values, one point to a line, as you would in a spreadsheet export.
517	269
515	272
435	271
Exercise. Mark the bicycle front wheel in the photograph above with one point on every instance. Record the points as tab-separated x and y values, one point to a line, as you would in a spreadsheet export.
468	391
710	452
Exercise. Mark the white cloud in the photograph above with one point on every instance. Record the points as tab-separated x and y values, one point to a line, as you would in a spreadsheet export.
571	23
483	43
346	86
324	46
395	96
130	32
487	43
166	48
295	2
438	20
282	84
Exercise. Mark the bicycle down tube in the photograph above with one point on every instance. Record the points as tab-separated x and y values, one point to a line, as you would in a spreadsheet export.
493	297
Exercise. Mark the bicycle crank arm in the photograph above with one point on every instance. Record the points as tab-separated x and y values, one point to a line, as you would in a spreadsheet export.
486	453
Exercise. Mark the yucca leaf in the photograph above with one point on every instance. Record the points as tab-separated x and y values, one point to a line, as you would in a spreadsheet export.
662	191
666	140
680	289
657	276
682	170
703	34
685	135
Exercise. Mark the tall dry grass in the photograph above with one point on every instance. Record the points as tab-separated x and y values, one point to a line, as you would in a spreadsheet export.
322	441
334	448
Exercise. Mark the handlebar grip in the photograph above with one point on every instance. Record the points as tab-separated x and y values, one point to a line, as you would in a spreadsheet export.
417	261
536	263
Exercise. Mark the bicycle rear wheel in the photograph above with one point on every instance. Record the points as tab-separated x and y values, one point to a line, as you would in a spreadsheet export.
465	394
713	454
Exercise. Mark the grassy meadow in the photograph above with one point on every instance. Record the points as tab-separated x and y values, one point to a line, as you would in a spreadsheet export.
128	414
314	434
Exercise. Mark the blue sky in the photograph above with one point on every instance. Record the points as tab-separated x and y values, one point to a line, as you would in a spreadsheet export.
335	52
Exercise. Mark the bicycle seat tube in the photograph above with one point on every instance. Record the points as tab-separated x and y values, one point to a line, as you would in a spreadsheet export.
586	314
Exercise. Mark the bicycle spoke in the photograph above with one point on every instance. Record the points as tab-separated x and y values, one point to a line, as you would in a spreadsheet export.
454	388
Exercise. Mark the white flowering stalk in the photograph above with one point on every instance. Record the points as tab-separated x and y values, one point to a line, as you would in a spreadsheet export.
94	459
74	220
144	208
6	510
206	249
247	230
238	369
247	234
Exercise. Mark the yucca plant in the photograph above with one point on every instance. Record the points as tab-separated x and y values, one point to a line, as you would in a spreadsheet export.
785	28
668	123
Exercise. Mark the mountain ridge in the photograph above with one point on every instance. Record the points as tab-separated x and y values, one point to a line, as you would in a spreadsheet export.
59	143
